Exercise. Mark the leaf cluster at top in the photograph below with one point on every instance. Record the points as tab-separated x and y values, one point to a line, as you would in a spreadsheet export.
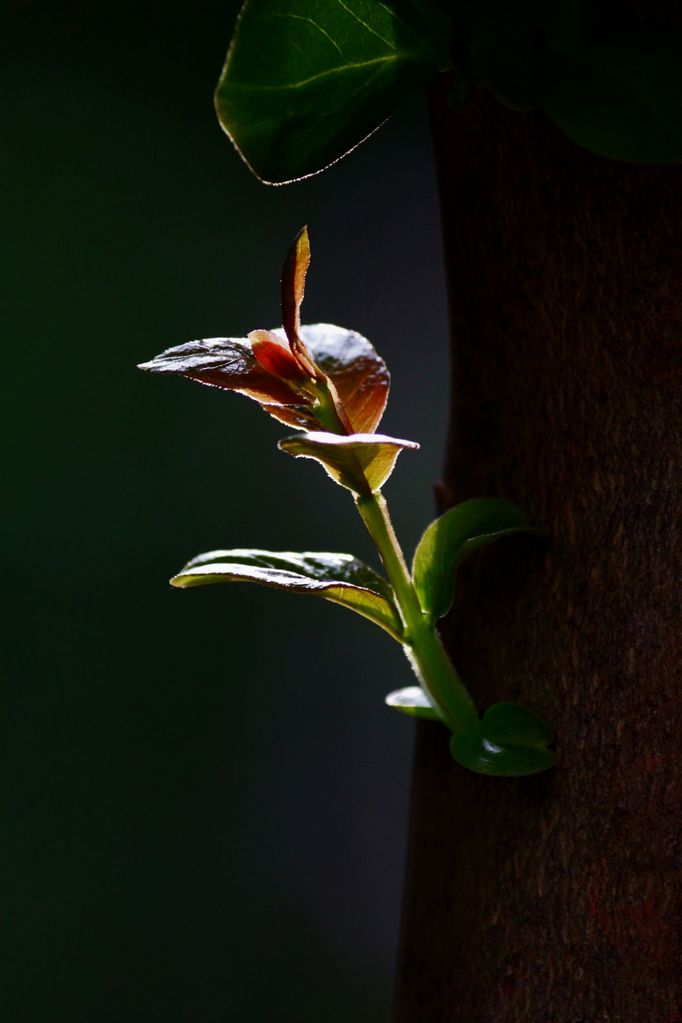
305	81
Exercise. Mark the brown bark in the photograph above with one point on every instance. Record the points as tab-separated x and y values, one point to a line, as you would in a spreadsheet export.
555	899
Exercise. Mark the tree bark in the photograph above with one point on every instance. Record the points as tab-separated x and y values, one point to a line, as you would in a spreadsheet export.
555	899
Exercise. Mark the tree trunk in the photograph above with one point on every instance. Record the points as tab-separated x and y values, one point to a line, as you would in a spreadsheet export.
555	899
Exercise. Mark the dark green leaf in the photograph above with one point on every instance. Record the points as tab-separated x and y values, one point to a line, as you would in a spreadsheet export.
452	538
340	578
305	81
509	43
559	19
362	462
621	98
510	741
413	701
512	67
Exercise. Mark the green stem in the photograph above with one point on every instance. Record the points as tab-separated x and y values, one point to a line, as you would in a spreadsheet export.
328	411
422	644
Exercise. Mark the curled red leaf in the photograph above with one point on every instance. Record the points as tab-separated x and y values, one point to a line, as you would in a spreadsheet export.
275	356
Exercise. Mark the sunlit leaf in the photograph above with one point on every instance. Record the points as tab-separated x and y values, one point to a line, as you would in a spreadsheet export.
226	362
305	81
358	373
510	741
452	538
356	370
340	578
412	701
362	462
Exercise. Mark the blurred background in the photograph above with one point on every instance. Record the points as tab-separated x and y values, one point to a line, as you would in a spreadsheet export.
204	801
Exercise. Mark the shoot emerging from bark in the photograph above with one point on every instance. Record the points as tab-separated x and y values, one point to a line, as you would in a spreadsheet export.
330	384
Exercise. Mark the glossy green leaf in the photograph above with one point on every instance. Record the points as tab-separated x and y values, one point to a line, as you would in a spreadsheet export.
452	538
510	741
622	97
305	81
362	462
340	578
412	701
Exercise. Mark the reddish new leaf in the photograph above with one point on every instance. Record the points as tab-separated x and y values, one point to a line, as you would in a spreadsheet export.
293	288
275	356
293	283
356	370
225	362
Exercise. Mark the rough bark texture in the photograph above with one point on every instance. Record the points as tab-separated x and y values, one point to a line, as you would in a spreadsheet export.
556	899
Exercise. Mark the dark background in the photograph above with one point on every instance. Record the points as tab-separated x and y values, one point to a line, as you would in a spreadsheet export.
204	801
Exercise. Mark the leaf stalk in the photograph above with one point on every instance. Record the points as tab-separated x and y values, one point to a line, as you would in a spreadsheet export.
421	642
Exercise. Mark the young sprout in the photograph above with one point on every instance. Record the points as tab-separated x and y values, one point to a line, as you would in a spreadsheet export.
330	384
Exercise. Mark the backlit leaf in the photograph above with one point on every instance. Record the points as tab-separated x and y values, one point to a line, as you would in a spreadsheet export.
226	362
305	81
412	701
340	578
452	538
275	355
362	462
349	360
356	370
510	741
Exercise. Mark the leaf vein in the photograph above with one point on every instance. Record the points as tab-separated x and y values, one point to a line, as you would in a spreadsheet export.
310	21
364	24
350	66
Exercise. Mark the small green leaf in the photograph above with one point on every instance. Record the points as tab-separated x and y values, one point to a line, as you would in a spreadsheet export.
340	578
622	97
412	701
510	741
305	81
362	462
452	538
